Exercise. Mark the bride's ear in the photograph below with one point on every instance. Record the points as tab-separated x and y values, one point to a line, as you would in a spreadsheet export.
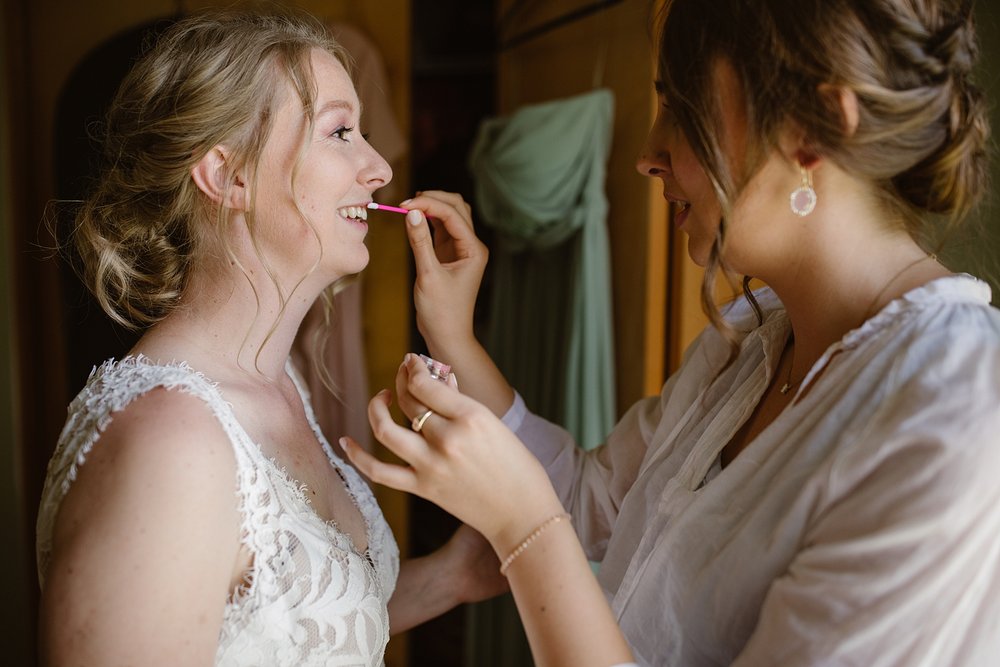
212	175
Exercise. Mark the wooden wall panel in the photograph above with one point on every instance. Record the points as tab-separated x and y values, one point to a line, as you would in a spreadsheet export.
611	48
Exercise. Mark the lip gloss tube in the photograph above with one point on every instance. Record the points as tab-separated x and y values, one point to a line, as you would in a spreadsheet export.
438	370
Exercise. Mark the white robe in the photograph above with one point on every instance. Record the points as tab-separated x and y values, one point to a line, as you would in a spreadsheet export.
862	527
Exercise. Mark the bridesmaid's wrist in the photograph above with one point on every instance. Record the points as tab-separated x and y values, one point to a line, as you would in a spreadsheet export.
512	535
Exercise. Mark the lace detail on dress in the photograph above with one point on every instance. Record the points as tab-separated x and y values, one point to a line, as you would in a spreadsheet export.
310	598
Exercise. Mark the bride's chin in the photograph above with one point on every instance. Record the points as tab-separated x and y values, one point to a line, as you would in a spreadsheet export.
697	254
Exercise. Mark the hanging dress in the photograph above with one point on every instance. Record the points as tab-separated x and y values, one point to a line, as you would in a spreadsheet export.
539	183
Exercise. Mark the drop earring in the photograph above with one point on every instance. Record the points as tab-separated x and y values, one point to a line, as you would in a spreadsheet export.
803	199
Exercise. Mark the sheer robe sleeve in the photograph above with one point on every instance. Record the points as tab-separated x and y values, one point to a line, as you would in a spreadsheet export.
591	484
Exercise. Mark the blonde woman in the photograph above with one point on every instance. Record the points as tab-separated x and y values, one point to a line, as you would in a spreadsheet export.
193	513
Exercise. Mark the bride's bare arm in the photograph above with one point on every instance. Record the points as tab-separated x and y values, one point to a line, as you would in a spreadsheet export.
146	542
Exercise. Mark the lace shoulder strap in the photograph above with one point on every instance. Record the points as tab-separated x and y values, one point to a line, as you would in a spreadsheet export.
109	389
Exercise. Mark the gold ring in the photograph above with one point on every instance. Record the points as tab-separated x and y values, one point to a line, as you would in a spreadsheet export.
418	421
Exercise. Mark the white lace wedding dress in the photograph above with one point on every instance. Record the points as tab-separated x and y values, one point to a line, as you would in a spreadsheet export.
311	598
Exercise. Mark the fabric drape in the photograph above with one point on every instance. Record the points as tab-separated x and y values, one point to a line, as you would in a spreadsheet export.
539	183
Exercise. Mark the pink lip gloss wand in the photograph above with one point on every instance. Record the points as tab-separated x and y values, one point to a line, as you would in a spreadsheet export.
382	207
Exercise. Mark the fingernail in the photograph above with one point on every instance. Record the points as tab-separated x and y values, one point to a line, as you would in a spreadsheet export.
413	217
405	202
407	357
343	442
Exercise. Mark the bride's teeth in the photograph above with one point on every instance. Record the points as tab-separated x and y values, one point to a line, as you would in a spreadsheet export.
356	212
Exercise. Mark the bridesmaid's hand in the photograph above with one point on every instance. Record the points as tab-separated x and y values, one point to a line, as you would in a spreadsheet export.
464	459
449	267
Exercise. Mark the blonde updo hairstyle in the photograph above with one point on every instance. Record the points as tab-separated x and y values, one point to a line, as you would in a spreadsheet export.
922	129
213	78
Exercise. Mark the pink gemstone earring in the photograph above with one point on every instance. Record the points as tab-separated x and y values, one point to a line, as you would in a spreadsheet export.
803	199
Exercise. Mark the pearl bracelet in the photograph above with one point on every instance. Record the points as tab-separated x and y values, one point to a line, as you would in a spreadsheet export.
523	546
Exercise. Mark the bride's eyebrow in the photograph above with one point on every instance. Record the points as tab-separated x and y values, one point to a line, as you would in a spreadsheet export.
335	105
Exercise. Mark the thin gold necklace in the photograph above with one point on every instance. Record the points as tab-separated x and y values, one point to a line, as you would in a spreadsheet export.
789	385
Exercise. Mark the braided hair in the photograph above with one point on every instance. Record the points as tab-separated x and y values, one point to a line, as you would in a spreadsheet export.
922	127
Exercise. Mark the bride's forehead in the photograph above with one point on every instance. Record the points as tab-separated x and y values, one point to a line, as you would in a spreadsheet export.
327	65
331	85
332	78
